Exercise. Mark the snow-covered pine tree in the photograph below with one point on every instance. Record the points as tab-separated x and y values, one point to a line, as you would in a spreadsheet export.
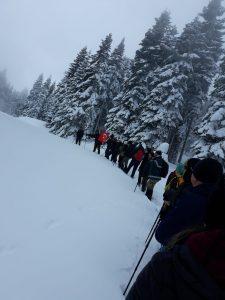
48	103
92	93
213	28
155	49
45	94
116	72
201	41
161	109
211	131
66	119
35	99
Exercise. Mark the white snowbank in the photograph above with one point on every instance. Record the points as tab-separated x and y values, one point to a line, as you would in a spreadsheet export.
71	226
33	122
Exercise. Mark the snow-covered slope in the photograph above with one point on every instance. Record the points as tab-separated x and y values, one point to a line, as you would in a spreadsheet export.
71	226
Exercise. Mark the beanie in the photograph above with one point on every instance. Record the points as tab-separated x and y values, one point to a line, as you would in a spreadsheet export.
180	169
208	170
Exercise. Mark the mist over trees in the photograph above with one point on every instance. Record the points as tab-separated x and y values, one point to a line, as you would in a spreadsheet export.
162	95
10	99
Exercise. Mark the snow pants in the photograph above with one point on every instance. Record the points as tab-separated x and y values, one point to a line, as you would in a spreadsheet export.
150	187
78	140
133	164
97	147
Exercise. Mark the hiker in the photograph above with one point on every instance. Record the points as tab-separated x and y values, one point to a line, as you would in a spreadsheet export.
80	134
136	160
100	139
122	149
142	178
155	170
177	182
97	144
114	151
193	266
191	205
128	154
109	143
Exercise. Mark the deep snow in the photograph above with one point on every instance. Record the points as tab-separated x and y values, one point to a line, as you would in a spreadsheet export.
71	226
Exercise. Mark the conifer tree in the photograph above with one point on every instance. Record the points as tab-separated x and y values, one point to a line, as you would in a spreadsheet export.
155	49
49	89
35	99
66	117
211	131
162	109
92	94
45	94
202	42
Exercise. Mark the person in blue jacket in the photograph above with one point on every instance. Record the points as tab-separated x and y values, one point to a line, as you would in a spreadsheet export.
190	208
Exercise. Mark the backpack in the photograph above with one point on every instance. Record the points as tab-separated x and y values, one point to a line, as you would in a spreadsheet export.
139	155
164	169
103	137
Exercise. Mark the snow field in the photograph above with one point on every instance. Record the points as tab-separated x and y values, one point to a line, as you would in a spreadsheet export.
71	226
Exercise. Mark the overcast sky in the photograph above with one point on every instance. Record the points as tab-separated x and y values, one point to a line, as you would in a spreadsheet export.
45	35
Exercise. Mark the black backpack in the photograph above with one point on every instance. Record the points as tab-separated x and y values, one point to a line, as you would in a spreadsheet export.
164	169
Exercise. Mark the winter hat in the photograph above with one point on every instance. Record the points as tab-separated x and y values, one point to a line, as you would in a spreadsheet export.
191	163
180	169
208	170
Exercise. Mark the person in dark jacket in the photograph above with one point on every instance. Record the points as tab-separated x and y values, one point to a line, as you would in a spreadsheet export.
153	172
193	268
143	178
122	148
97	144
128	154
191	205
79	136
109	144
176	183
136	160
115	151
193	271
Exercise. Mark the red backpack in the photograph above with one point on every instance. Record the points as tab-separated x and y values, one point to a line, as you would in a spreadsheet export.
139	155
103	137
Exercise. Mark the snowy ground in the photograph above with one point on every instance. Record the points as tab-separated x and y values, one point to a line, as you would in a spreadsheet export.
71	226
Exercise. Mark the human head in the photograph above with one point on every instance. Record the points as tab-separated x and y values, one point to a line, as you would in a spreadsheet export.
189	167
158	153
208	171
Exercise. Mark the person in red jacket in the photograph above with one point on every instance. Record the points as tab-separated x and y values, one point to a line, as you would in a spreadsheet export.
136	160
100	139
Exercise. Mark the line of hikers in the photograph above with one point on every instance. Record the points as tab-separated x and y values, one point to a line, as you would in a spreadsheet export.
191	229
132	156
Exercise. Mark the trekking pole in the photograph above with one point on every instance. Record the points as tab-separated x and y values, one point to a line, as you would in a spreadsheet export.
143	253
153	227
136	188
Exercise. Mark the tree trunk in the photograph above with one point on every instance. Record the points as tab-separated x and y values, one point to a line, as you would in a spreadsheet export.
185	140
174	147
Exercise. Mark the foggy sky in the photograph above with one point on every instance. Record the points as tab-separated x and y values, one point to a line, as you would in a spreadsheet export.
44	35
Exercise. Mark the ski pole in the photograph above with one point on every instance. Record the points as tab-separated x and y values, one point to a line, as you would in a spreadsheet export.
135	270
153	227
